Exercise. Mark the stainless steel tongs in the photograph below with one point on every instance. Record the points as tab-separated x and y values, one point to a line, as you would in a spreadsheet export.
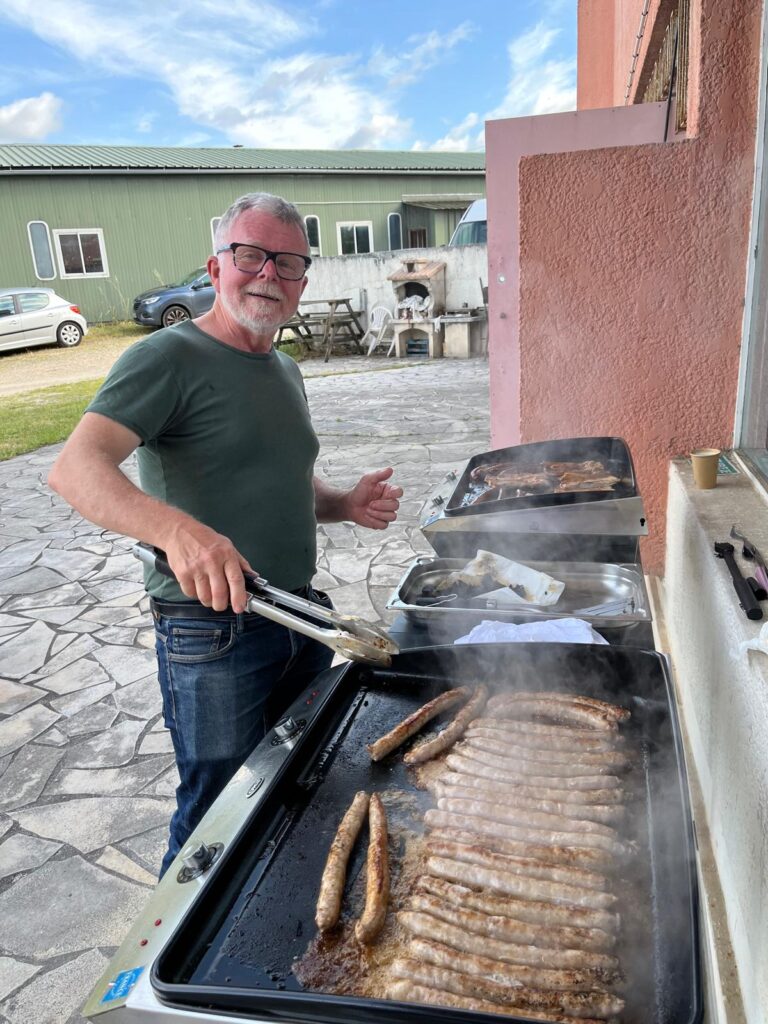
352	638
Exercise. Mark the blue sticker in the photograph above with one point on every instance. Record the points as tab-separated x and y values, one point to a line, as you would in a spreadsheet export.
122	985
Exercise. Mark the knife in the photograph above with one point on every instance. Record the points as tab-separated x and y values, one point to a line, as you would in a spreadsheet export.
749	550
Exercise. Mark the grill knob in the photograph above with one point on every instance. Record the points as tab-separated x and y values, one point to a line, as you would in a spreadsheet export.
451	475
438	500
199	859
286	728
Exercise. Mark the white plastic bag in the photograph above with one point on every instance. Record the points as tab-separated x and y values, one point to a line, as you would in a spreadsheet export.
758	643
557	631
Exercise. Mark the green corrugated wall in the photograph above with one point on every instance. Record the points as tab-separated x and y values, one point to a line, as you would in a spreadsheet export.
157	226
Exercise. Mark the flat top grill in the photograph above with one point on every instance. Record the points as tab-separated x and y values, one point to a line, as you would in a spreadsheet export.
237	945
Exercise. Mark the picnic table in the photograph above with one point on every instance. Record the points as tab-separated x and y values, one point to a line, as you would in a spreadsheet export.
336	319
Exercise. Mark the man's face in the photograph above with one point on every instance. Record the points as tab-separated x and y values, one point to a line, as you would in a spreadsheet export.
263	301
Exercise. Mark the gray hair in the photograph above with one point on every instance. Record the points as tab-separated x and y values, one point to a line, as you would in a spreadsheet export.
263	202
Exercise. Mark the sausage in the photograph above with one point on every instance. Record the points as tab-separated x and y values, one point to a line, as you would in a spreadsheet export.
501	880
562	834
524	766
539	848
573	796
508	929
539	813
533	911
452	732
335	871
578	1004
538	734
458	847
557	711
410	725
377	881
456	785
485	739
615	711
410	992
460	762
424	926
566	979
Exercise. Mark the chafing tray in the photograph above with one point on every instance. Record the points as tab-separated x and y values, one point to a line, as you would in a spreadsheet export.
602	526
607	595
231	938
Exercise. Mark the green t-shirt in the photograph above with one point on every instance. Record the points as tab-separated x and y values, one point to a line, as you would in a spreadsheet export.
227	438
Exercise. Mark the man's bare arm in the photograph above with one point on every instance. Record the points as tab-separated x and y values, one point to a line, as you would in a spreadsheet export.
87	474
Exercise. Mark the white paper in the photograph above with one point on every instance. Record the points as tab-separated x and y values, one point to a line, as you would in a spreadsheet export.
758	643
539	588
552	631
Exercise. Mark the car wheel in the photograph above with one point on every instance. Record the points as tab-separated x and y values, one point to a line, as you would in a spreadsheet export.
69	334
174	315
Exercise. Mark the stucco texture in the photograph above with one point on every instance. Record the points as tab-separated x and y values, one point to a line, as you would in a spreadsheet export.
632	274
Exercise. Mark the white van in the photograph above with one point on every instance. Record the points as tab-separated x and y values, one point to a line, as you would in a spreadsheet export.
473	226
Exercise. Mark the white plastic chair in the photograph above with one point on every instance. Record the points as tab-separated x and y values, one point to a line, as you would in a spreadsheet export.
379	322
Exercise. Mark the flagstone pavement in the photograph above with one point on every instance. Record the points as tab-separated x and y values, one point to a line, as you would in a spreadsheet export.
86	768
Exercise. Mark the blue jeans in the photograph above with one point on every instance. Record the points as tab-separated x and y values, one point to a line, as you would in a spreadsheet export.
225	681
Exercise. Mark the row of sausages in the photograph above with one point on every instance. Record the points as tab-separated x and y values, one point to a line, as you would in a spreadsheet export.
514	913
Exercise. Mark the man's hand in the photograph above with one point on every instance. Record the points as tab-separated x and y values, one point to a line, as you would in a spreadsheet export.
208	566
372	502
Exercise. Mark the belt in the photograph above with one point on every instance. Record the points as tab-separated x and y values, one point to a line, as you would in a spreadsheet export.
195	610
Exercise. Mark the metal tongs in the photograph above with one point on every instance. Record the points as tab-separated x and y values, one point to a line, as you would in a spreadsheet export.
352	638
750	551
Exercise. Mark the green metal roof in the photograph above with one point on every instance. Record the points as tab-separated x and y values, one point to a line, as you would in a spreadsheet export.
20	157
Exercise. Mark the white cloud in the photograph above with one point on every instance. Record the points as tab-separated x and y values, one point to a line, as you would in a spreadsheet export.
222	68
423	53
30	119
538	84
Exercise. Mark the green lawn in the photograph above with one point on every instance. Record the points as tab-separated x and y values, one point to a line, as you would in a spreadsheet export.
36	418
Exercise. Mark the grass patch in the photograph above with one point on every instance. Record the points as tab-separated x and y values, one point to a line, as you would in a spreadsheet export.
126	329
47	416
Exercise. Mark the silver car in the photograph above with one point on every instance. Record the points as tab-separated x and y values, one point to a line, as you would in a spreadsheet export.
38	316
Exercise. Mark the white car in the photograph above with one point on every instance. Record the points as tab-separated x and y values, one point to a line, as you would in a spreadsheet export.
38	316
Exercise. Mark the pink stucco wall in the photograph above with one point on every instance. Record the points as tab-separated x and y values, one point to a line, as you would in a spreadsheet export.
624	268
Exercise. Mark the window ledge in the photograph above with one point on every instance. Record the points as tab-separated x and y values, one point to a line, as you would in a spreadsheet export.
723	701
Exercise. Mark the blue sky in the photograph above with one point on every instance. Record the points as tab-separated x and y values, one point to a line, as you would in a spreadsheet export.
314	74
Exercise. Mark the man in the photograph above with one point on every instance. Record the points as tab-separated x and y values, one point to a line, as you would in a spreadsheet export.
226	455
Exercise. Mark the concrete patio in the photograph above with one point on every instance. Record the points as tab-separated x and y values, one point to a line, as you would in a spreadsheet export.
86	768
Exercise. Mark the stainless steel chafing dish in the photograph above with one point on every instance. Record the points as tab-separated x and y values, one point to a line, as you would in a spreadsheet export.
602	525
609	596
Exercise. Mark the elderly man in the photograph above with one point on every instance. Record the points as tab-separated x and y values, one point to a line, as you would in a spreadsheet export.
226	455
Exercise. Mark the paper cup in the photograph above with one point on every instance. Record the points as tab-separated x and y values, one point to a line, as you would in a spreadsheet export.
704	462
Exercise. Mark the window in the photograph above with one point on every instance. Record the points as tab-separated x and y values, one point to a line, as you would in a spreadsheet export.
42	254
354	238
7	307
80	252
215	221
418	237
31	301
395	231
312	225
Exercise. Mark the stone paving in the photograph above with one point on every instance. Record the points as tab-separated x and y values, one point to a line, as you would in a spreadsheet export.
86	768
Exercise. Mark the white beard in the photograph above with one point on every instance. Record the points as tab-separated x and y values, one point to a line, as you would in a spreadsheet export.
260	322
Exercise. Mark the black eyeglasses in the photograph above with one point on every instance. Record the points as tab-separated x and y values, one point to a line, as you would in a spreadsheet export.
250	259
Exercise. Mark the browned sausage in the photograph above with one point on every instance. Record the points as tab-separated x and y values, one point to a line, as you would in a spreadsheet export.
615	711
533	911
425	926
578	1004
335	871
540	848
459	762
486	739
477	751
410	725
536	813
456	785
501	880
537	734
560	712
552	836
410	992
514	975
508	929
573	796
452	732
377	880
447	844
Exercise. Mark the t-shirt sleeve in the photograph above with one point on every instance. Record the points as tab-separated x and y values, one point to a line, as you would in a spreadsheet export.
140	392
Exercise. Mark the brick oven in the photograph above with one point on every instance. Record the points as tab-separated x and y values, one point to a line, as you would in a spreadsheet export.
419	288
